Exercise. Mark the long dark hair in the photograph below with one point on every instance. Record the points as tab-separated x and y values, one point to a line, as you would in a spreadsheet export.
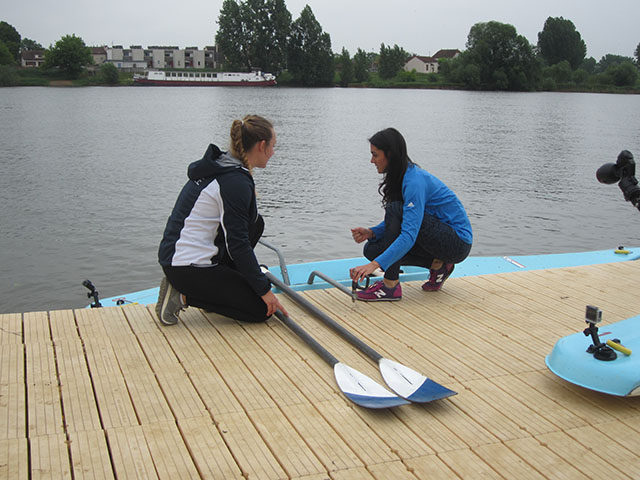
392	143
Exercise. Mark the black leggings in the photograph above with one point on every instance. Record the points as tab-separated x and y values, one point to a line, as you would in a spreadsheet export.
221	289
436	240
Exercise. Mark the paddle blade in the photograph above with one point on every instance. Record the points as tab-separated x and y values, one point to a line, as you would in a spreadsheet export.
410	384
362	390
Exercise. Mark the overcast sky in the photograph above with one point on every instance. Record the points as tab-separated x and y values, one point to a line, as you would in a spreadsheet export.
418	26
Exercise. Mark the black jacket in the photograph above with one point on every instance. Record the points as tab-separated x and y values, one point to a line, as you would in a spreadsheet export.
210	221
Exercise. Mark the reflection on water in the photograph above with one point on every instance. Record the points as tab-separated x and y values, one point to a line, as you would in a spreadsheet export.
88	176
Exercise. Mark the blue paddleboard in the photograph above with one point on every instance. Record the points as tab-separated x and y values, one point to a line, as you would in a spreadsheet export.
570	360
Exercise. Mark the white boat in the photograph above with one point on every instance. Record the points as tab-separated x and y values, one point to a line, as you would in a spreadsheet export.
191	79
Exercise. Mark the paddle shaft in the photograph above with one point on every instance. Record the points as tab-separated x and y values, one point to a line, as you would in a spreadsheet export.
311	308
308	339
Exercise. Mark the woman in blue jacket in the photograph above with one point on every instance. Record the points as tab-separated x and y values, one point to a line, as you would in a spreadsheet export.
425	223
206	251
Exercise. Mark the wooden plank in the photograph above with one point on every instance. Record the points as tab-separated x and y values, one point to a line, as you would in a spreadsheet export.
248	448
90	455
11	364
180	394
10	329
330	449
466	464
130	453
352	474
435	425
622	434
13	411
36	328
148	398
14	461
564	395
398	436
63	326
609	449
580	457
112	396
384	471
44	407
113	401
544	460
208	450
290	449
526	418
80	408
273	380
492	419
164	437
50	457
431	467
90	327
506	463
362	438
556	413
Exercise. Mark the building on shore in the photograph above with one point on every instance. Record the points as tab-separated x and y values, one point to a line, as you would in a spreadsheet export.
32	58
422	64
136	59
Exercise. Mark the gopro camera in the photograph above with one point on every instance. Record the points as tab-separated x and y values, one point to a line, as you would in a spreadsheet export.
593	315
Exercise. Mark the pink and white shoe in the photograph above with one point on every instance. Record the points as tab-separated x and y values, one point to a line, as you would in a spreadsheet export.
437	277
378	292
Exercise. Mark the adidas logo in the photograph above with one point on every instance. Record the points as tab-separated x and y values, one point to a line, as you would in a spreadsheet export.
410	205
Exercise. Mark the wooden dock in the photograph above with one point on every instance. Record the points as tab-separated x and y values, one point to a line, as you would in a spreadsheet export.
110	393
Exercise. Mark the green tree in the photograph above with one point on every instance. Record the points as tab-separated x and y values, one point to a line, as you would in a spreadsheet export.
254	34
11	38
310	58
559	40
391	61
6	58
361	66
28	44
637	55
109	73
609	59
8	75
497	58
561	72
346	67
69	54
589	65
231	37
623	74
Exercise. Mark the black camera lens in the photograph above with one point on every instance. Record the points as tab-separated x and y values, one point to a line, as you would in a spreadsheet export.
608	173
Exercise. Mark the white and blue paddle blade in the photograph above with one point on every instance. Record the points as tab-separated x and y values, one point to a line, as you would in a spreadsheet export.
364	391
410	384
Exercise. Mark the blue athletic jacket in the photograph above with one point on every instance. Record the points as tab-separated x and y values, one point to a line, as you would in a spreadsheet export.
423	193
211	219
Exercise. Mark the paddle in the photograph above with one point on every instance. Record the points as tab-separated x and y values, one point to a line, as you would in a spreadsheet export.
406	382
356	386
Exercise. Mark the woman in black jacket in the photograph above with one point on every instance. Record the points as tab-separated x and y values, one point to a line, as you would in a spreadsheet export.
206	251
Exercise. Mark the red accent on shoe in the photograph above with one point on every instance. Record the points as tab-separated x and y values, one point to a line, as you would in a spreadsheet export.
437	277
378	292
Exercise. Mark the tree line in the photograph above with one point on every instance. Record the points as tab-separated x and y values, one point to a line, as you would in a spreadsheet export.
261	34
69	56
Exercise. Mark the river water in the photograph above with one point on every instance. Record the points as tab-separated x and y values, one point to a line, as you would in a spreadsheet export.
88	176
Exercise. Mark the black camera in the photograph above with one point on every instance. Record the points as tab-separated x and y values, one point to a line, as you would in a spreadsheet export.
623	171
